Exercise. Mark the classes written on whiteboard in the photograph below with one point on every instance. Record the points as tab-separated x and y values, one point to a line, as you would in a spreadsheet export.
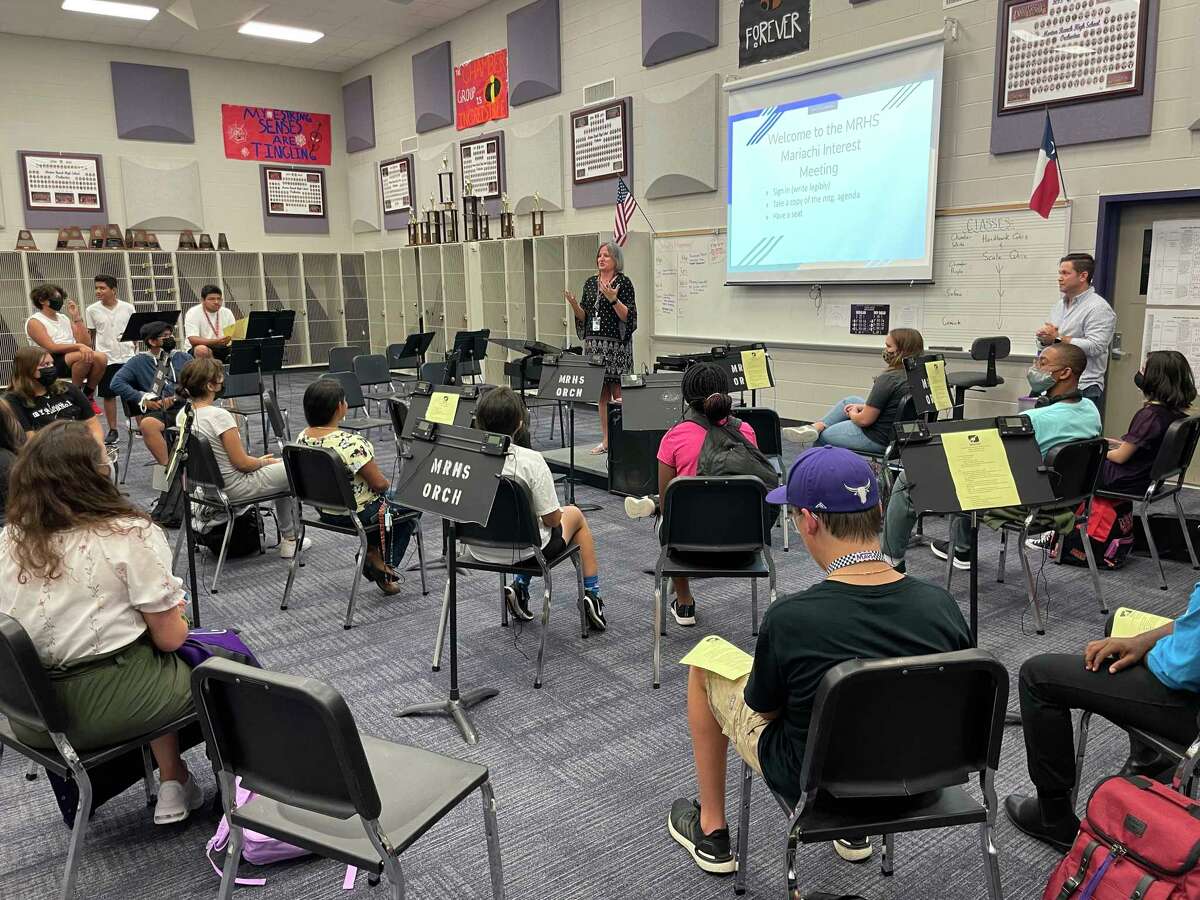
1175	264
681	268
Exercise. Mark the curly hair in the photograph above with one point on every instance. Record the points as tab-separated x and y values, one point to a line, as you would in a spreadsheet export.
706	388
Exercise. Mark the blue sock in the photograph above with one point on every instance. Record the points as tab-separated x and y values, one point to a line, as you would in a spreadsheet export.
591	583
522	580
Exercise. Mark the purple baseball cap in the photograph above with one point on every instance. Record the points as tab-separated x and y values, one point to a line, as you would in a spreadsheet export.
828	478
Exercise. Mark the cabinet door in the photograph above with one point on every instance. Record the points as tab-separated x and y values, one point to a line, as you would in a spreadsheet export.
322	296
354	302
283	289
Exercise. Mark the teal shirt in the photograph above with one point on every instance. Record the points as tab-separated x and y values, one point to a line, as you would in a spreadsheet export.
1060	423
1175	658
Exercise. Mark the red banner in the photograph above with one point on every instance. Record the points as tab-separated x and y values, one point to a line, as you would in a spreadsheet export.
481	90
263	134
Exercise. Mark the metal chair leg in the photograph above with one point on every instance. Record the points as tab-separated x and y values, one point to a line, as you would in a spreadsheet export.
1187	535
221	554
178	547
443	620
1091	561
743	833
659	589
234	855
1003	555
786	525
887	859
1162	576
991	857
82	815
493	839
1030	584
295	564
503	602
789	859
148	774
754	606
128	450
359	562
537	681
421	560
583	620
1085	721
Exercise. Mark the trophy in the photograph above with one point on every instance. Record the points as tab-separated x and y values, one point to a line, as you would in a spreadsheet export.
113	239
538	217
97	237
25	240
433	223
414	231
448	214
128	238
222	241
485	229
470	213
140	241
506	218
187	240
206	241
152	241
73	239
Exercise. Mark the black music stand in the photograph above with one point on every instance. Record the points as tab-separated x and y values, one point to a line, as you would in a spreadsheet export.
470	347
651	402
422	393
920	388
138	320
436	485
265	325
255	356
416	345
932	487
568	378
176	464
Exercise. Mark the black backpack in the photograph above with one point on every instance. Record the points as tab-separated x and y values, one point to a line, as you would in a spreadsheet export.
727	452
244	540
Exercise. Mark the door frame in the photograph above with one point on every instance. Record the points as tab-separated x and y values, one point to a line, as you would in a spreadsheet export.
1108	226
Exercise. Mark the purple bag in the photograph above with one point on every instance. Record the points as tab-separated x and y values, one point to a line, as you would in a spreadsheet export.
202	643
257	849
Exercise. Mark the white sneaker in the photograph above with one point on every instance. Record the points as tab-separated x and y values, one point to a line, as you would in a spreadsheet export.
176	801
639	507
1042	542
802	434
287	547
855	850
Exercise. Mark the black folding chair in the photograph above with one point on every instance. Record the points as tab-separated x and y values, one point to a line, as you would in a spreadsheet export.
1171	464
371	370
713	527
277	419
320	479
356	799
27	698
768	431
890	743
513	527
355	401
1185	756
398	413
240	387
436	373
341	359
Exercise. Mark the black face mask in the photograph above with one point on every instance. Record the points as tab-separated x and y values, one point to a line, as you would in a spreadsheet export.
1139	380
168	344
56	304
47	376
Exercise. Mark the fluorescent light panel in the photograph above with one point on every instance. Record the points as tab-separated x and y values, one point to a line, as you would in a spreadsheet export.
107	8
281	32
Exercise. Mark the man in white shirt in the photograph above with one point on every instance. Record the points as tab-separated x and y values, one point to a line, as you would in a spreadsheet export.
64	337
1083	318
204	325
106	321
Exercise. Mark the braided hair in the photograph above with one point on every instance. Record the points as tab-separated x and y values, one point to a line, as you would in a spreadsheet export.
706	388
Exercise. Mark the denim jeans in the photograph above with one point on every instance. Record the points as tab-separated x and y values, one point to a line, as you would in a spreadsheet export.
841	432
399	536
900	518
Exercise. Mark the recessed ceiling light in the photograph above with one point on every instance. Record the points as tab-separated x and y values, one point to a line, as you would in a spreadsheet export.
281	32
106	8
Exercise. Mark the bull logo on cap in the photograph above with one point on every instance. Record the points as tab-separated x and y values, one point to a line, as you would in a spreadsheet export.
860	492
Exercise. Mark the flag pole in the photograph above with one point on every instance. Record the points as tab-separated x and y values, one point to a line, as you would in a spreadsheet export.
1061	178
653	230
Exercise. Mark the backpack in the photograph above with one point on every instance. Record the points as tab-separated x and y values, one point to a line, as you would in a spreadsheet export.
226	643
726	451
257	849
1140	840
244	540
1110	531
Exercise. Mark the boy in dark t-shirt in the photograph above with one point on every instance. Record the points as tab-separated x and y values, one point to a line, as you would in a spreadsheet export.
863	609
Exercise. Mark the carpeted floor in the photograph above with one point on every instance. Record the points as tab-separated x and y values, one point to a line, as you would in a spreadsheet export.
584	769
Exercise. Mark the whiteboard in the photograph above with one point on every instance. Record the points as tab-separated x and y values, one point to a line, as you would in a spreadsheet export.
995	273
1175	264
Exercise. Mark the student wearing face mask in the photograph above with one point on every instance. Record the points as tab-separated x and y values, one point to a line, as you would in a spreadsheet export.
858	424
37	397
59	329
134	384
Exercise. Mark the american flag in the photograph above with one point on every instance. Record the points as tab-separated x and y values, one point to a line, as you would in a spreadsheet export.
625	207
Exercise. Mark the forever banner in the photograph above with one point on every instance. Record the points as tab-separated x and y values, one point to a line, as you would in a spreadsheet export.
770	29
264	134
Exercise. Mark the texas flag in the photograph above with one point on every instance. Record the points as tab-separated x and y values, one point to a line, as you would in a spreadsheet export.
1045	176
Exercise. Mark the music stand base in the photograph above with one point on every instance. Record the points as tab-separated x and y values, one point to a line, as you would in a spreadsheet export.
455	709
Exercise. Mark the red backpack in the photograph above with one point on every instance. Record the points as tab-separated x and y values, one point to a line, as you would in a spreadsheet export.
1140	840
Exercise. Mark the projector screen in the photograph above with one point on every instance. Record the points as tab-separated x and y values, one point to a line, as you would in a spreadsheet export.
833	171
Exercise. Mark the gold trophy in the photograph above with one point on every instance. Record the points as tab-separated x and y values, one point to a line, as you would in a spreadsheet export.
507	230
538	217
471	224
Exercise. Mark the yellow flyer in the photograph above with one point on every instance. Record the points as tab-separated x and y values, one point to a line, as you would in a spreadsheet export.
935	373
754	367
237	330
1132	622
442	407
718	655
980	469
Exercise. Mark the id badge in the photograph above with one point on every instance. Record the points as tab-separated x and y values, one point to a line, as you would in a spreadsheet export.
596	323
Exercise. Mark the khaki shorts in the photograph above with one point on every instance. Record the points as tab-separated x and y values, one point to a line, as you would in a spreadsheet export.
742	725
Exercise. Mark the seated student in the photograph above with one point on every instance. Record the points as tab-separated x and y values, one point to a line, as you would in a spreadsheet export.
134	384
65	338
106	320
89	578
1062	415
245	475
324	408
12	439
500	411
858	424
706	388
1150	681
38	398
205	323
864	609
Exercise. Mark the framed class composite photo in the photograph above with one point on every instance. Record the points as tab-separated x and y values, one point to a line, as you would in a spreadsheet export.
61	182
600	142
396	184
481	164
294	192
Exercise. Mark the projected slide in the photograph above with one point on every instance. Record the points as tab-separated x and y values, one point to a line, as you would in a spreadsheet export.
837	181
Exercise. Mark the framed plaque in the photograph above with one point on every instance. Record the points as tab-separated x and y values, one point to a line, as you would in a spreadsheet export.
396	184
294	192
599	142
62	182
1070	51
482	166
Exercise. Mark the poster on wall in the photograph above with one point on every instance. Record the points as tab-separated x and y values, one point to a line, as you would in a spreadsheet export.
62	181
1066	51
395	184
264	134
770	29
481	90
295	192
482	167
599	142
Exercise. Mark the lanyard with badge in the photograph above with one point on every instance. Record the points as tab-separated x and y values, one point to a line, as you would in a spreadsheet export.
596	308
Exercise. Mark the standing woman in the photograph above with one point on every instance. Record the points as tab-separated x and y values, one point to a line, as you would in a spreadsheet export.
605	320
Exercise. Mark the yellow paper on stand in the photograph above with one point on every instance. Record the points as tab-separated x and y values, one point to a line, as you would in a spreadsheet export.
1132	622
979	466
935	373
442	407
237	330
715	654
754	368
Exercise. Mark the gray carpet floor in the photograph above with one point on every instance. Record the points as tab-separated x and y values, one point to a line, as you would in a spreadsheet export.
584	769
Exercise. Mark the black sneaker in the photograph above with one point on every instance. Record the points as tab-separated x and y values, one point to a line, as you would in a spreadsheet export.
112	437
516	595
962	558
709	851
855	850
594	607
684	613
